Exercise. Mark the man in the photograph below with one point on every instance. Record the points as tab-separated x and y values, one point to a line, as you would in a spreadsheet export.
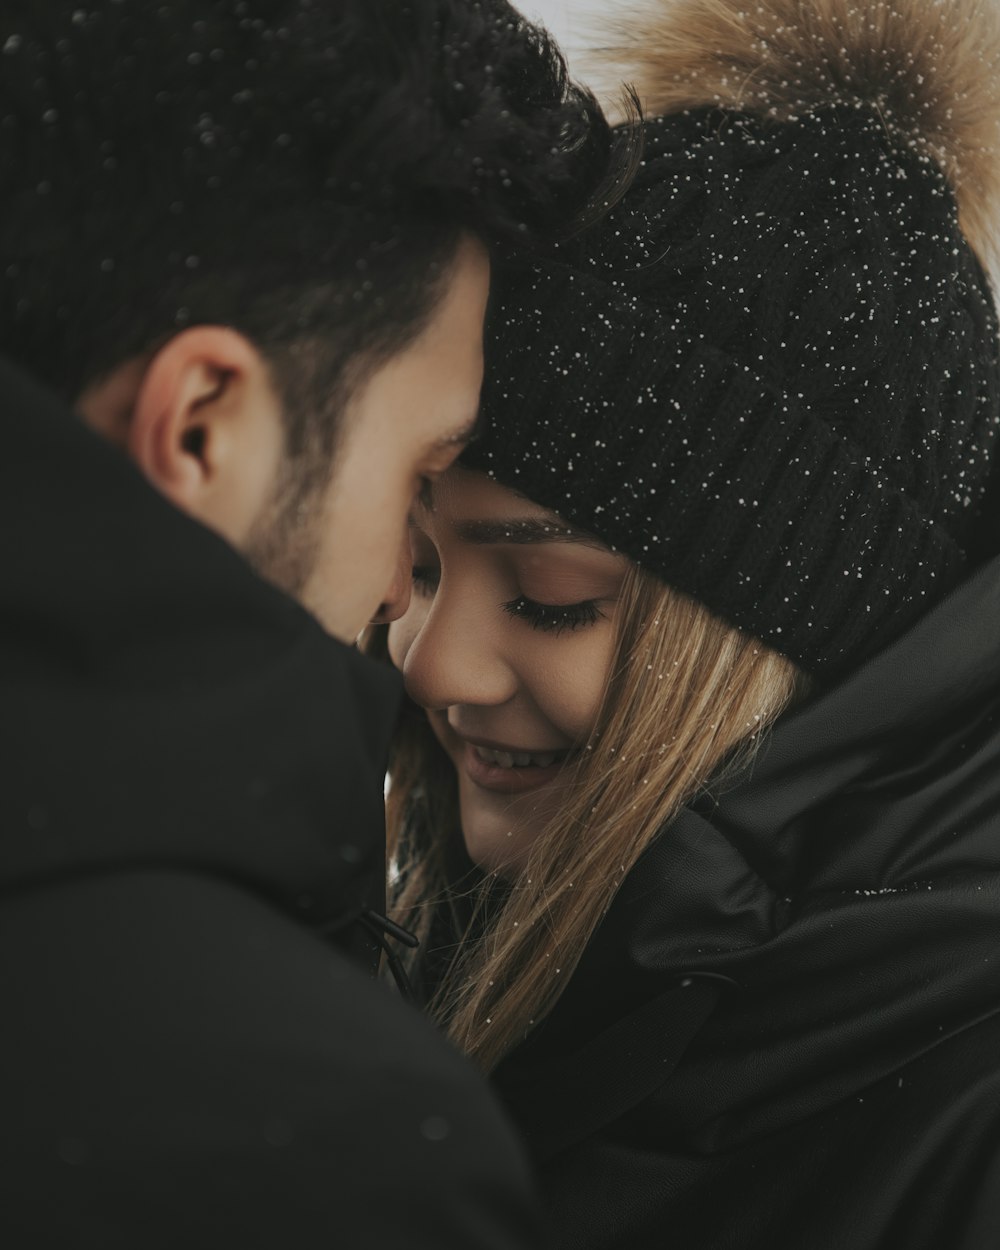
246	245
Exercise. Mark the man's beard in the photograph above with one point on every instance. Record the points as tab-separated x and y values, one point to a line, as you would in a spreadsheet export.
283	542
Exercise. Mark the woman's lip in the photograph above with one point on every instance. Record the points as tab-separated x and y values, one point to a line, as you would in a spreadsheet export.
489	745
505	780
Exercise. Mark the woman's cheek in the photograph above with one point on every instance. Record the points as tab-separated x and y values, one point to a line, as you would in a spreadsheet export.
570	679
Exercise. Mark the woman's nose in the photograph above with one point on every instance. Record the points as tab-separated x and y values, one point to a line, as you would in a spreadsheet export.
456	658
396	598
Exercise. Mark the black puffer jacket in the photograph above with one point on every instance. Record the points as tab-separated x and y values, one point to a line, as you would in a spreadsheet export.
190	822
786	1036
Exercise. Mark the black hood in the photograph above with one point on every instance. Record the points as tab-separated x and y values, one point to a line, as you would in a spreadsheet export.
826	920
162	706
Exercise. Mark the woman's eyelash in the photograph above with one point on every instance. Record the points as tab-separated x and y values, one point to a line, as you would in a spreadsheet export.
554	618
550	618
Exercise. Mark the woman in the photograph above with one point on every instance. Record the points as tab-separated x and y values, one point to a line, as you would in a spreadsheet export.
738	989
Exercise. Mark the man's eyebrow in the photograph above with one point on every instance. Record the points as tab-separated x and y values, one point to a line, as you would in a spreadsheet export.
461	436
524	532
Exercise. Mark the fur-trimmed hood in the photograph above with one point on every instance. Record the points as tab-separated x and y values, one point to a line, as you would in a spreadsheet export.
931	67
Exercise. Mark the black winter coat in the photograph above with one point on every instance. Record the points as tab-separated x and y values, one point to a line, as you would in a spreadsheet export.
786	1036
190	821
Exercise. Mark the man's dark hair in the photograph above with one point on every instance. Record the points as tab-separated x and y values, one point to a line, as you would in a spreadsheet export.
301	170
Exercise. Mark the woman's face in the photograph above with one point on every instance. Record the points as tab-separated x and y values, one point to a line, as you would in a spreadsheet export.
507	643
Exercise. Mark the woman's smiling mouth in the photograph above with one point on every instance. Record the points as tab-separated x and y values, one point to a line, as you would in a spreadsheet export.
508	770
518	759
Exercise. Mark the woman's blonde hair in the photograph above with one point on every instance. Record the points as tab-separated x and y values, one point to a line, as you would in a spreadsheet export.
685	703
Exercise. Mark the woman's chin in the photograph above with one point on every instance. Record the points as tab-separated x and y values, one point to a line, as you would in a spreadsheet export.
498	830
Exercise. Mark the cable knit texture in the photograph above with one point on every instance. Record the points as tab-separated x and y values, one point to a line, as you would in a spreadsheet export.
771	377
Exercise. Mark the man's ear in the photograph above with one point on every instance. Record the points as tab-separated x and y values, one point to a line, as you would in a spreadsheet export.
203	423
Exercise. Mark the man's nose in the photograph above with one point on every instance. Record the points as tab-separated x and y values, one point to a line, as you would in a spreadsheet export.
397	597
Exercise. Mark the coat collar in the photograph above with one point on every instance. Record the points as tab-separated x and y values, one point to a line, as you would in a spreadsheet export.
848	886
163	707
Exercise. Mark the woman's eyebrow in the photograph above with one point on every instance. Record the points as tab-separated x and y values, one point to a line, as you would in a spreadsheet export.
524	531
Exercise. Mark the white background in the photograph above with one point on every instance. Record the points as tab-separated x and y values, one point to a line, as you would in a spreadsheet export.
567	20
580	27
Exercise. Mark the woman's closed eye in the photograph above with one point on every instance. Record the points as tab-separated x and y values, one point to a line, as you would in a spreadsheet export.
554	618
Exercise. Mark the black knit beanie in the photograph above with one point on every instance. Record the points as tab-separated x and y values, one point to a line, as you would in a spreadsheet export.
771	376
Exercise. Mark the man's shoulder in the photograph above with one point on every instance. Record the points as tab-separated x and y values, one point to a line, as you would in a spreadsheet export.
172	1033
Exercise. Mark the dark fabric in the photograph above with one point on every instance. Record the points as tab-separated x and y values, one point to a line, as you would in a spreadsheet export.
770	376
844	1090
190	823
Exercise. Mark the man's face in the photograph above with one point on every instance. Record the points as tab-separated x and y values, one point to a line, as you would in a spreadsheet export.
407	424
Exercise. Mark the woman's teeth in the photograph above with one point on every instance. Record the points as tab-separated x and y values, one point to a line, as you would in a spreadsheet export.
517	759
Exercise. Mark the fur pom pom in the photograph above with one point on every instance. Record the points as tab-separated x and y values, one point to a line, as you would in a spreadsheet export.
931	68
